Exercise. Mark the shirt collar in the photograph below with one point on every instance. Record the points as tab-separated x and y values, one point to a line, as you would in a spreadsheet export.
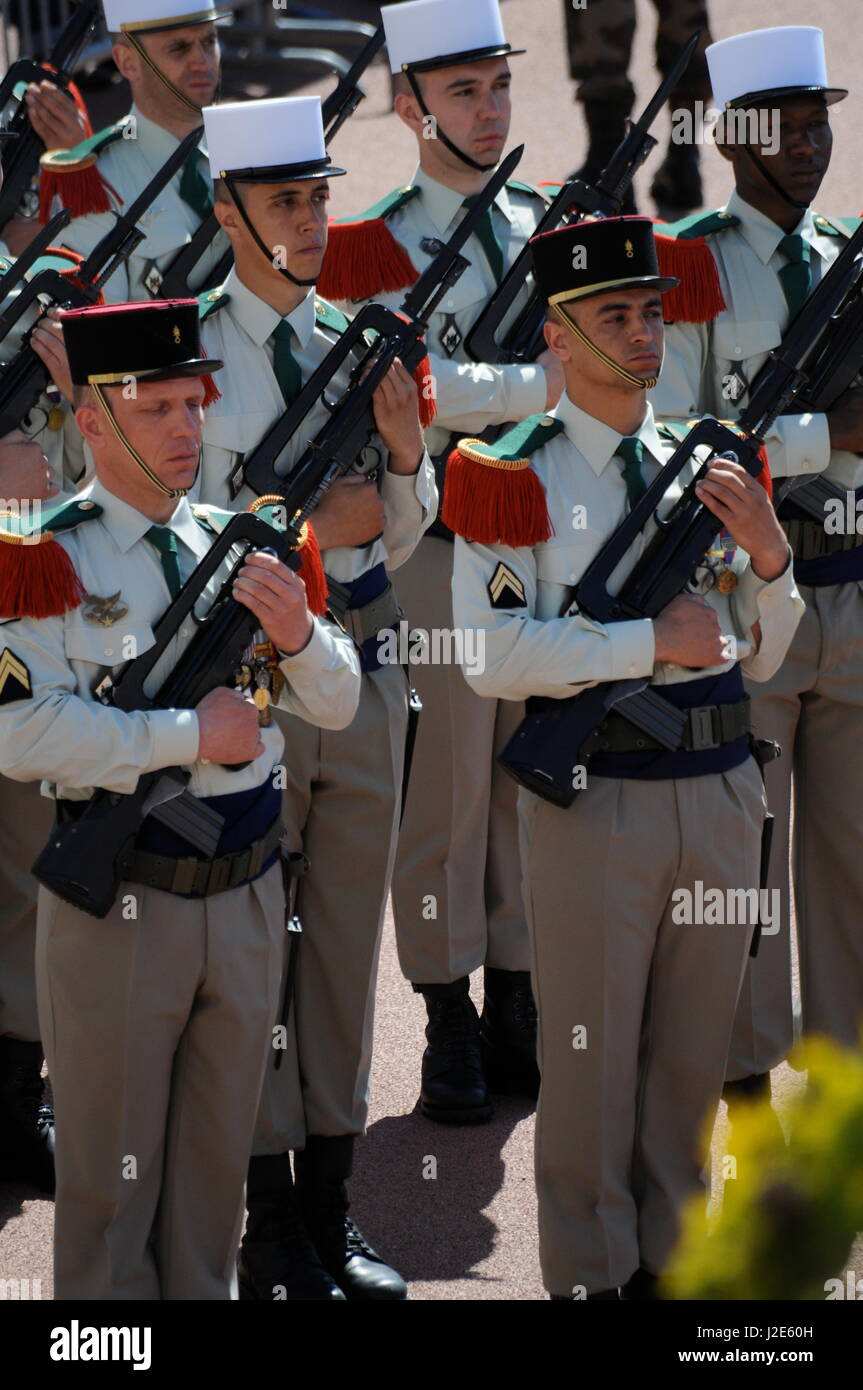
762	234
154	140
260	320
444	205
597	442
127	526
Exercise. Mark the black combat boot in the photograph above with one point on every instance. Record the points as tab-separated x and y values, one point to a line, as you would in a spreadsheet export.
453	1085
507	1034
277	1259
606	127
676	188
738	1095
323	1168
26	1121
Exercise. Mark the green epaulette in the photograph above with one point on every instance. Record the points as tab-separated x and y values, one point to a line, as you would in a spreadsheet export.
330	317
47	520
211	301
836	226
5	265
491	493
698	224
213	519
385	207
526	188
85	153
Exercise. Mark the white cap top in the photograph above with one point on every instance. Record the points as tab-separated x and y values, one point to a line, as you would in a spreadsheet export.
147	14
424	29
766	60
257	134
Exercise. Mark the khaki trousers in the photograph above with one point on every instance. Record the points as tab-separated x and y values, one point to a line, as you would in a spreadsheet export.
457	897
813	707
623	1104
340	807
157	1030
26	818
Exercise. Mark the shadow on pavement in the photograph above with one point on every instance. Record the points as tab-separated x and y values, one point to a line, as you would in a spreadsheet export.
419	1190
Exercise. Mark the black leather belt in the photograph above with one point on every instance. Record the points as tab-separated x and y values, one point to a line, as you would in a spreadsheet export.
810	541
707	726
200	878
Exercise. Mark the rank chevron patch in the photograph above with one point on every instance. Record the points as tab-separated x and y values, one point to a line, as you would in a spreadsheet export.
14	678
505	589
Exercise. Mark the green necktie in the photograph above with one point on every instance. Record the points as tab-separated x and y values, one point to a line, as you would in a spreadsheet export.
631	450
194	187
166	543
796	277
487	237
285	365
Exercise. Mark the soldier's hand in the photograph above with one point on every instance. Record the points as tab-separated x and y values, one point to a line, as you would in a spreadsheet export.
351	513
397	419
54	116
25	475
554	381
746	512
47	341
277	597
845	421
228	730
687	633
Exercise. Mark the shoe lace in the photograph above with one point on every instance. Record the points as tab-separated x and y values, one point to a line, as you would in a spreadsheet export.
461	1025
356	1242
524	1008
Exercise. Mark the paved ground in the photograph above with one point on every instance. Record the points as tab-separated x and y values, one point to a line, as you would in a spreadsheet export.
469	1231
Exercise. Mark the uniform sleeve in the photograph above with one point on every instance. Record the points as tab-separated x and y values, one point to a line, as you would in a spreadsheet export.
777	609
798	445
473	395
323	680
410	506
518	655
53	733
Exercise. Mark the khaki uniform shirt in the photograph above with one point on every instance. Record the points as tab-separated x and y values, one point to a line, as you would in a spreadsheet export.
701	357
241	335
530	650
471	396
62	734
128	165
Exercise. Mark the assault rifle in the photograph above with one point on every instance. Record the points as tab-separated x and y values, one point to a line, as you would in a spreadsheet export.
335	110
21	158
556	736
374	338
86	858
523	340
25	376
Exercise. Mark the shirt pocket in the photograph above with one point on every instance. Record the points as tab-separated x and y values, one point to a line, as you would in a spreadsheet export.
737	342
105	647
559	566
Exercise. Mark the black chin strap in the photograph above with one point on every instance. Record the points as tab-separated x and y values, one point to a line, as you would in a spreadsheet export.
267	251
441	135
774	183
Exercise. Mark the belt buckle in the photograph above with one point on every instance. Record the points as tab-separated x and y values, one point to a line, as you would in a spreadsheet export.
701	728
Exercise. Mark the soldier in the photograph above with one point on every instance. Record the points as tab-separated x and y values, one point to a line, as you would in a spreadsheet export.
343	795
157	1017
600	46
36	459
750	267
635	1007
456	889
170	58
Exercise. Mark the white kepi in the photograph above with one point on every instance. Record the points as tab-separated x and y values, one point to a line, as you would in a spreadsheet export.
424	34
284	136
141	16
765	63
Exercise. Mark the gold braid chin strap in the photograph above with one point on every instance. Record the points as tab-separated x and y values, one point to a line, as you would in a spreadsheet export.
133	453
603	357
139	48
